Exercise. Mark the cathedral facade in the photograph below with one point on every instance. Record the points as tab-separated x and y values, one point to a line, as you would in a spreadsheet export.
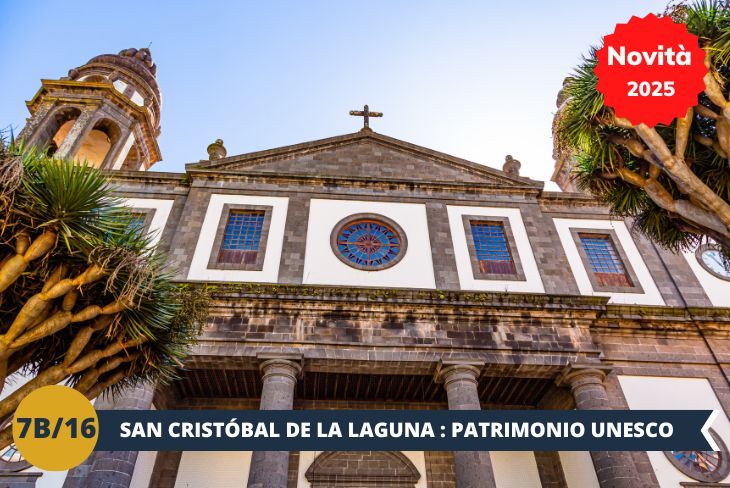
364	272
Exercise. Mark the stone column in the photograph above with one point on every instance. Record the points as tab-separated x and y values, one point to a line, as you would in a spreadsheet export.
112	469
473	468
75	137
119	150
164	472
269	469
614	469
29	134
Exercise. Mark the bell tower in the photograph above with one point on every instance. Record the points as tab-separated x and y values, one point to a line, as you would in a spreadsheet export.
106	112
564	161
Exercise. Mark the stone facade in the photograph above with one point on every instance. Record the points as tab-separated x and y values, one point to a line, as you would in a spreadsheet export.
455	341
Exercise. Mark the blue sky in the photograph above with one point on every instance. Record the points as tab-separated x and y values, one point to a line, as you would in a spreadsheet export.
474	79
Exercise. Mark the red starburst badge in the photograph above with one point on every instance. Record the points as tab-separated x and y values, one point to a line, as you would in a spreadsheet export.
650	70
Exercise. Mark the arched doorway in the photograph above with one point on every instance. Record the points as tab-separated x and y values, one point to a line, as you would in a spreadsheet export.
362	469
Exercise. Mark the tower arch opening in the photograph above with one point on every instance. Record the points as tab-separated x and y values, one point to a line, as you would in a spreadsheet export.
58	127
133	160
98	143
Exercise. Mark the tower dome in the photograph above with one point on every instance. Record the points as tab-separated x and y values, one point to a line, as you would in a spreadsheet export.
131	69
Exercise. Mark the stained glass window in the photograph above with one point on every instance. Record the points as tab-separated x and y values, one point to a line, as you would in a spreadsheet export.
491	249
369	244
708	466
703	462
242	237
603	260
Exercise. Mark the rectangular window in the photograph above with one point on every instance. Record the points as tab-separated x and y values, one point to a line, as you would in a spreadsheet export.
491	249
242	237
137	223
604	261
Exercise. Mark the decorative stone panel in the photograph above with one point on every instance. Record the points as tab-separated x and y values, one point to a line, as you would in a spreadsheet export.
333	469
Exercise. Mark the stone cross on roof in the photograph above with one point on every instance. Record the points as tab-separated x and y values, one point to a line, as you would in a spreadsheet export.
366	114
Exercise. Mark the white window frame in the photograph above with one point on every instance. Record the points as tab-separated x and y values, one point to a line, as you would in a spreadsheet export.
532	282
650	295
199	270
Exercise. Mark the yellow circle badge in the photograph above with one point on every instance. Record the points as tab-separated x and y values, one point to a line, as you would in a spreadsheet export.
55	428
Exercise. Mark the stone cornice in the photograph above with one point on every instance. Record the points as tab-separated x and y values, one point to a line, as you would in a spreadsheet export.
573	197
195	177
667	314
358	182
148	185
389	295
590	311
232	292
147	177
654	321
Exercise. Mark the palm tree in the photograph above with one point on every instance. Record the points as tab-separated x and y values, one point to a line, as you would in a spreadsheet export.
673	180
83	299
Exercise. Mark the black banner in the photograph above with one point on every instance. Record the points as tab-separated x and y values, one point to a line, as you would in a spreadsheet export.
403	430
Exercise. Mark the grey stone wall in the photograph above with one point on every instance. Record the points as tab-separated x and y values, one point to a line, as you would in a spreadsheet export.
676	282
19	480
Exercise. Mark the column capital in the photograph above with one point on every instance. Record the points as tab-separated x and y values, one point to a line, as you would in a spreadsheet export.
576	374
90	107
286	365
448	371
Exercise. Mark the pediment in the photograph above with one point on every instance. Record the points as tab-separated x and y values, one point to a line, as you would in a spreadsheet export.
364	155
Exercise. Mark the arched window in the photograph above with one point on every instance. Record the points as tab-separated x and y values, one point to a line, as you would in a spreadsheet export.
95	79
133	160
